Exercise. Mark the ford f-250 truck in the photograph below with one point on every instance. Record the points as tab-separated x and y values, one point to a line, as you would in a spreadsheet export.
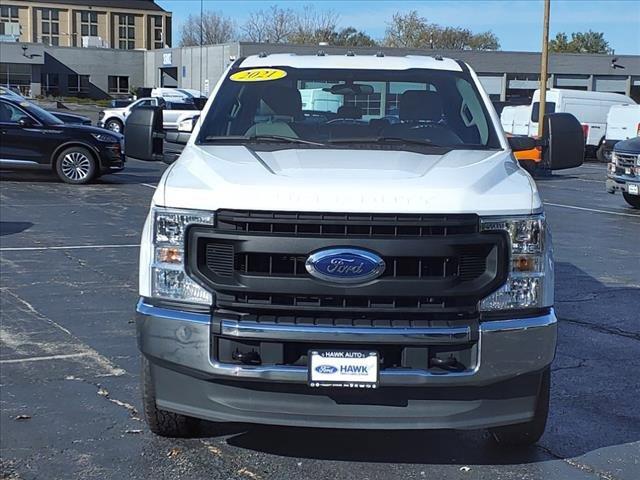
385	264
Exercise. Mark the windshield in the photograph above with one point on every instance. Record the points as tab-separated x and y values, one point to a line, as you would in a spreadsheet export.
321	107
41	114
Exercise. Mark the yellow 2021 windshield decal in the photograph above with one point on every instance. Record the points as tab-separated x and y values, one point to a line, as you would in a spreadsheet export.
258	75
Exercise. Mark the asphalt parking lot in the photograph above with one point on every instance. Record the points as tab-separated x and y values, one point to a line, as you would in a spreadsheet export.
69	365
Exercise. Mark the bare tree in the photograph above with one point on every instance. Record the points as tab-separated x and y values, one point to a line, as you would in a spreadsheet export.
216	28
312	27
274	25
409	30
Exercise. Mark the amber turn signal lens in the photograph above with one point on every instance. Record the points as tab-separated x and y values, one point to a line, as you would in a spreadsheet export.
168	255
525	264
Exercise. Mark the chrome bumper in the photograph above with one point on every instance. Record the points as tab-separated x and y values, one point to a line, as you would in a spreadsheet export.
506	348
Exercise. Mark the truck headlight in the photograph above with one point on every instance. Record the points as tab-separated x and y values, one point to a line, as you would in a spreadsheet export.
530	280
168	277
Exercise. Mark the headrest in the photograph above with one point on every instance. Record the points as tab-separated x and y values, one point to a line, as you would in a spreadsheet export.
417	105
349	111
282	100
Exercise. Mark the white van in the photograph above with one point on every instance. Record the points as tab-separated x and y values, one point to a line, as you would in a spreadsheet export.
521	120
507	117
590	108
623	123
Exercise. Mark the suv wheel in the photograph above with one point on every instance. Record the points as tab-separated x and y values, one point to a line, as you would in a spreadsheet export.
524	434
633	200
76	165
114	125
162	422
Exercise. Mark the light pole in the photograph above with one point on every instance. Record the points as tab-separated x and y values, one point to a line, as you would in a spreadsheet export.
544	65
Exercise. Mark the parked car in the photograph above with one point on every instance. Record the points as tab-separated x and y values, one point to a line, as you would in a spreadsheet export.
590	108
623	173
114	119
31	137
348	274
64	116
623	123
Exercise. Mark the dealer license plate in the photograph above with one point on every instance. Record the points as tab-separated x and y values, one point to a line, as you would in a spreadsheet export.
633	189
343	368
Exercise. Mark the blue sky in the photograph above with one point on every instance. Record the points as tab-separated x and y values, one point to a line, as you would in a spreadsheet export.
516	23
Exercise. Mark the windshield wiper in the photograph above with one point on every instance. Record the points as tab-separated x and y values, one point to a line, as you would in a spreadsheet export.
388	140
261	138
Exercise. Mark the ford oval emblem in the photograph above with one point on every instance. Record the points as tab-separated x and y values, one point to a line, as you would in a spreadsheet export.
345	265
326	369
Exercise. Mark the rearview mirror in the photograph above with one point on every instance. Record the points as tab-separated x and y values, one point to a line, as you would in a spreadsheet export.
144	134
521	143
563	140
350	89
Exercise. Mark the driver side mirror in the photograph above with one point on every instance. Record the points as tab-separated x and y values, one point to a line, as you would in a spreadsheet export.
563	141
26	122
144	134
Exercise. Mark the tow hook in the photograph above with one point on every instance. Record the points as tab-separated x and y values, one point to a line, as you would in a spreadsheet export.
247	358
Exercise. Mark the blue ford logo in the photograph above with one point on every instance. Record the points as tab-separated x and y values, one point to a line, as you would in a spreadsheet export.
326	369
345	265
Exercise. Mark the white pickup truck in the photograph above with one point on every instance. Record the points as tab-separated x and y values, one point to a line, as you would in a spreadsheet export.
114	119
342	268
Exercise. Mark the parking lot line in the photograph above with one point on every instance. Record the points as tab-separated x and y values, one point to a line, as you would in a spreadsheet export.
149	185
573	207
46	357
66	247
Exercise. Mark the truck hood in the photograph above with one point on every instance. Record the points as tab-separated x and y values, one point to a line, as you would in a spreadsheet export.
348	180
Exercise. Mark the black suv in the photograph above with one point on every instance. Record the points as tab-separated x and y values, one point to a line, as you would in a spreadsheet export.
31	137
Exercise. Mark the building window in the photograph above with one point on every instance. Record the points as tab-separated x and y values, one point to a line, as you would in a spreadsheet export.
118	84
50	26
78	84
158	36
88	24
9	21
50	84
16	76
126	32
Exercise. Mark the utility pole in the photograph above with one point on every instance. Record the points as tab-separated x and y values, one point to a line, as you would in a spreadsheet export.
201	41
544	64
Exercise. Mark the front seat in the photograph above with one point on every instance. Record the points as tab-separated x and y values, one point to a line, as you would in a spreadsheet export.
421	117
279	106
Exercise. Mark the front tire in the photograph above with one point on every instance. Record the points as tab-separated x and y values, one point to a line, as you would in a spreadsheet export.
162	422
633	200
525	434
76	165
114	125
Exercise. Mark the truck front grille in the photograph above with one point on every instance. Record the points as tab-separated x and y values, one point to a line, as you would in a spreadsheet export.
435	264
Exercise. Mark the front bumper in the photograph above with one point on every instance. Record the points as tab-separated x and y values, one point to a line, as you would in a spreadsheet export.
620	183
500	390
112	158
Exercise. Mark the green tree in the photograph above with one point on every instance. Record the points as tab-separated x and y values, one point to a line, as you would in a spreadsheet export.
581	42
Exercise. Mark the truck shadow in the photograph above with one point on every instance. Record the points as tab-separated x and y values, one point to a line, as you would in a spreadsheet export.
590	407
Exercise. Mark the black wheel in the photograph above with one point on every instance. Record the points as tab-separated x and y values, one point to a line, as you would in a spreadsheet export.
114	125
161	422
76	165
633	200
524	434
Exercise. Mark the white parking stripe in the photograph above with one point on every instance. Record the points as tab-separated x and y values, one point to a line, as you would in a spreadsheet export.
46	357
65	247
573	207
149	185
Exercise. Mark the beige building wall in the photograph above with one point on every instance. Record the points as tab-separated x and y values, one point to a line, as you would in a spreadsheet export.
69	30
